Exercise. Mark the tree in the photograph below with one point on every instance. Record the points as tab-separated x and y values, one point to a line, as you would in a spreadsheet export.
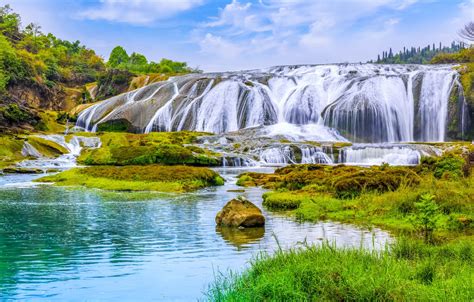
9	23
118	56
467	32
137	59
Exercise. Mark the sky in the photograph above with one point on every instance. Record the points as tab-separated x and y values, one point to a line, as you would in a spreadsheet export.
224	35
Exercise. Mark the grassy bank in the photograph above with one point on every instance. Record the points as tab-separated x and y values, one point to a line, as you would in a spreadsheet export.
138	178
429	207
409	271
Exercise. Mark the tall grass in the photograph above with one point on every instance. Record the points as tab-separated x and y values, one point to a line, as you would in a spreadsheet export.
407	271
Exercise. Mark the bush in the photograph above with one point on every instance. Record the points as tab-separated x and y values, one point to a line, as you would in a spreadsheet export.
449	166
14	114
426	217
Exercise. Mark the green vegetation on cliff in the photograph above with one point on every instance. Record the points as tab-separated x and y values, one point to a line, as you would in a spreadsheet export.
138	178
40	71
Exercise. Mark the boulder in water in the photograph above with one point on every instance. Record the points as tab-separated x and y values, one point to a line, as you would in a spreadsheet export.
240	212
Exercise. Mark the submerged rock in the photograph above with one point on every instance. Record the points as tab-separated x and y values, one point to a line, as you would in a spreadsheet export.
240	212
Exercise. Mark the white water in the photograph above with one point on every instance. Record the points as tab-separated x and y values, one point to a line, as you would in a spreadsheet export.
65	161
377	155
364	102
286	155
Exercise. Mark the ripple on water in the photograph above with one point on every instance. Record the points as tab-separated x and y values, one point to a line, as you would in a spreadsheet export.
69	244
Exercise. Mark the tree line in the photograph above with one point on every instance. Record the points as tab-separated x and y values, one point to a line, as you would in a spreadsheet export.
418	55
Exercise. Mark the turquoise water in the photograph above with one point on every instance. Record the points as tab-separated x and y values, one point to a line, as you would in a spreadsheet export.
77	244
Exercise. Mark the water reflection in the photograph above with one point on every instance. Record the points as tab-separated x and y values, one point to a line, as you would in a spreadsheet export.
241	237
69	244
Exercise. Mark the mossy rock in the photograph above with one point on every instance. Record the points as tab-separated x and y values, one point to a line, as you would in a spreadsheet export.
138	178
240	212
46	147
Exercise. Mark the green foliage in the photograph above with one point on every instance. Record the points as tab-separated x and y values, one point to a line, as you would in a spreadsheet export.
465	55
324	273
419	55
449	166
113	82
14	114
138	178
426	216
138	63
118	57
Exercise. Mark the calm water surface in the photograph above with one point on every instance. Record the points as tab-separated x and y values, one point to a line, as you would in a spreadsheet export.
77	244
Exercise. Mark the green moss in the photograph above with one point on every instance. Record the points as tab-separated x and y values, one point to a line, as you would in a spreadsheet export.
115	126
10	150
144	149
46	147
51	122
282	200
138	178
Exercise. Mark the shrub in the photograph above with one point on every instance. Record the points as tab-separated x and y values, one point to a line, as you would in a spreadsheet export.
426	217
449	165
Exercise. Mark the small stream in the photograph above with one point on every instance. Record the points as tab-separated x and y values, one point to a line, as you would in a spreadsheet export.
77	244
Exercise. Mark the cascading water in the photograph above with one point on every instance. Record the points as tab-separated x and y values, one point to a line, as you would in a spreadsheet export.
294	154
65	161
379	154
364	102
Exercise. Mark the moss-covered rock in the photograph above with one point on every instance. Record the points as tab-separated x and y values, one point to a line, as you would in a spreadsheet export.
240	212
10	149
138	178
169	148
46	147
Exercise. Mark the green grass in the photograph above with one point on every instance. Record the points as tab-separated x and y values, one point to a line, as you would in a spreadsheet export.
138	178
408	271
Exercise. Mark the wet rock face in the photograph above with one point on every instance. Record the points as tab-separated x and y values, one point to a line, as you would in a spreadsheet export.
240	212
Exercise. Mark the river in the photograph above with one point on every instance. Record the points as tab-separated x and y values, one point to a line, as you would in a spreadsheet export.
79	244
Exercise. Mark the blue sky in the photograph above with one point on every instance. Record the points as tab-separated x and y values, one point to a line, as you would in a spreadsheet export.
245	34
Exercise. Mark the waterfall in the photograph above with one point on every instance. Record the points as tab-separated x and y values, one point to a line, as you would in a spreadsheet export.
379	154
435	90
365	103
65	161
295	154
278	155
313	155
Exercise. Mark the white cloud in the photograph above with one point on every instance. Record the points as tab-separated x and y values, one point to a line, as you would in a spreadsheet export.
290	28
216	45
137	11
